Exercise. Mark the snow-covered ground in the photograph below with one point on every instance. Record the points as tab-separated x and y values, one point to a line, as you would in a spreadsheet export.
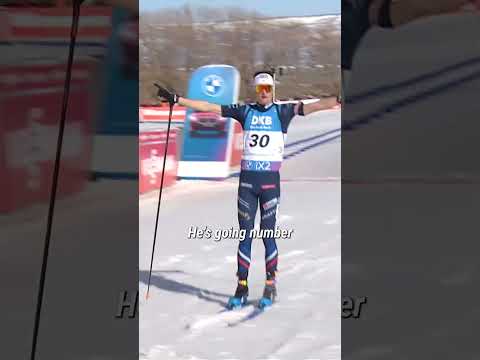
184	317
424	90
406	246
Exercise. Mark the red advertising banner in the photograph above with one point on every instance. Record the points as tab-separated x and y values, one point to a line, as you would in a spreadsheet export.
160	113
151	150
30	104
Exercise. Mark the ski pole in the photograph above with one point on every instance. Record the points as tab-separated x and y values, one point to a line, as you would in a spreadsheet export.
159	198
53	192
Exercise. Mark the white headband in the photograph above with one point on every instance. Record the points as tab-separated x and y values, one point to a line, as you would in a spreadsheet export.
264	79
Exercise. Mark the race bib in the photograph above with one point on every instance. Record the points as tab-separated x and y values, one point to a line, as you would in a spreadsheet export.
263	145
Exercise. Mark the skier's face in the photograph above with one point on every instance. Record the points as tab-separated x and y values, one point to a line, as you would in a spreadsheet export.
264	94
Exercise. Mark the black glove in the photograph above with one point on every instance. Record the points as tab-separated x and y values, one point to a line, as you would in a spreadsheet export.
171	97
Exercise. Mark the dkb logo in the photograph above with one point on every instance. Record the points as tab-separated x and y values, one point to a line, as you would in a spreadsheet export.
261	120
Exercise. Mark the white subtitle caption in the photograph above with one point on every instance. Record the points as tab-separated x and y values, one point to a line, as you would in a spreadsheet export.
205	232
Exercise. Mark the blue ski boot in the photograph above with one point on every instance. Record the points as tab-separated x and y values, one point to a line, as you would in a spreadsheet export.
269	292
240	298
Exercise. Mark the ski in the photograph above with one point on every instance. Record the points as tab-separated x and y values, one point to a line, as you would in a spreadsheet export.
252	315
222	318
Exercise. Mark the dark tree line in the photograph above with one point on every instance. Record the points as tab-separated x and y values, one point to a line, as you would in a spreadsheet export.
174	42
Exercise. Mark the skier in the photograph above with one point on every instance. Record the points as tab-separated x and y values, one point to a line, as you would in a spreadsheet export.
265	126
359	16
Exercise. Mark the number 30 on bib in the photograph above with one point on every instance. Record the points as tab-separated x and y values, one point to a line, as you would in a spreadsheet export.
256	140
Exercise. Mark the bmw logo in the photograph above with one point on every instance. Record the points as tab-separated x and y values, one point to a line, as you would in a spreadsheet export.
212	85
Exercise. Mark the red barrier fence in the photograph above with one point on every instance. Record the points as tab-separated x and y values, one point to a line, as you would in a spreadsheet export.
52	25
152	147
160	113
30	101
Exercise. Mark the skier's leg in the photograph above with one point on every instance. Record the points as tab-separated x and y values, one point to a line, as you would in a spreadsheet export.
247	208
269	203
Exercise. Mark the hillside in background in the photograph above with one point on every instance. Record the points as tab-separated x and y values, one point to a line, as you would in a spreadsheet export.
175	42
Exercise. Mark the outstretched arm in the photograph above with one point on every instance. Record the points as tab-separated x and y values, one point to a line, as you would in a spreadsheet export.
322	104
200	105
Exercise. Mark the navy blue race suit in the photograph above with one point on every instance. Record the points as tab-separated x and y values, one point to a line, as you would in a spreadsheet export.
264	135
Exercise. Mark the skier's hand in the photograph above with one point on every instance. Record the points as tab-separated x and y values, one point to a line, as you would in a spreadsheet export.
168	95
